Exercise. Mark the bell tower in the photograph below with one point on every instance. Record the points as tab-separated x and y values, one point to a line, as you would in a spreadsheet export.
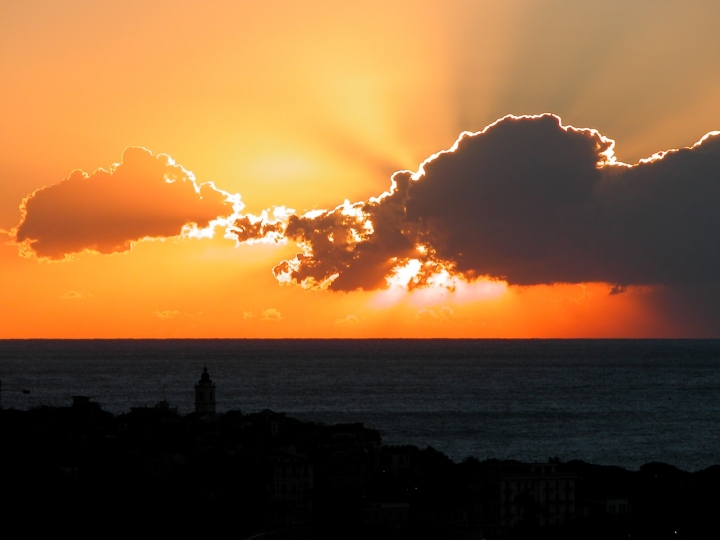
205	394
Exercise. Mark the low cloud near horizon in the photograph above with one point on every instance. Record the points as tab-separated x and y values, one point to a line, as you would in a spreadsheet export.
144	196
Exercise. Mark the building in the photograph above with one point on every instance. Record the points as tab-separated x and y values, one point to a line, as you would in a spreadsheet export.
509	494
205	394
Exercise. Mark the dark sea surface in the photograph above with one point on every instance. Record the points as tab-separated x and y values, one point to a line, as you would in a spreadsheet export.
613	402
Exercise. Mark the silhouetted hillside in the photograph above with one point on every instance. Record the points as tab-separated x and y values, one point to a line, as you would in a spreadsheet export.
82	469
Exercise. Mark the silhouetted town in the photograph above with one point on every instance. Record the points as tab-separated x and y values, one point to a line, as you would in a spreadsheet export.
265	475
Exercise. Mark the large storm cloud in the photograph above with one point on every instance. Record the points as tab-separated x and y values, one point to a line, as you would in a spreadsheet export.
529	201
145	196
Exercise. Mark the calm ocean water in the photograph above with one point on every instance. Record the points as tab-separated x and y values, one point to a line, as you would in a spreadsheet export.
614	402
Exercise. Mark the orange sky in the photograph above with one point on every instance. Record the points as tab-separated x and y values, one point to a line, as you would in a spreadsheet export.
306	104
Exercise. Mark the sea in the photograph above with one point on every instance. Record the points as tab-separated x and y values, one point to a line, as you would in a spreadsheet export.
611	402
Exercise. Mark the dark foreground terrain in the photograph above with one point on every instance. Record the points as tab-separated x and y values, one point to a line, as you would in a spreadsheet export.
263	475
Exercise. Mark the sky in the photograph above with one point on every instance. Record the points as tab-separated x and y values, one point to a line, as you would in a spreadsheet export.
269	169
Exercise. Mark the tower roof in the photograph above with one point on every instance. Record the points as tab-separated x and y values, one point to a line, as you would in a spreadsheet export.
205	378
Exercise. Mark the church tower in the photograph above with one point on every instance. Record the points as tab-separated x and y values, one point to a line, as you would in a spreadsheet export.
205	394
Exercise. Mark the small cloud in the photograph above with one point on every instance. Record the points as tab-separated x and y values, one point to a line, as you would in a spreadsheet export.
349	320
271	314
71	295
167	314
617	289
444	314
248	315
251	229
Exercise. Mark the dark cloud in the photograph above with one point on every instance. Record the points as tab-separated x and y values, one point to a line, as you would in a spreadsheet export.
533	202
617	289
144	196
354	246
529	201
248	228
513	202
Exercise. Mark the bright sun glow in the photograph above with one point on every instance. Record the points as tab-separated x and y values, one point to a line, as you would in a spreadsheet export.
404	274
438	286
